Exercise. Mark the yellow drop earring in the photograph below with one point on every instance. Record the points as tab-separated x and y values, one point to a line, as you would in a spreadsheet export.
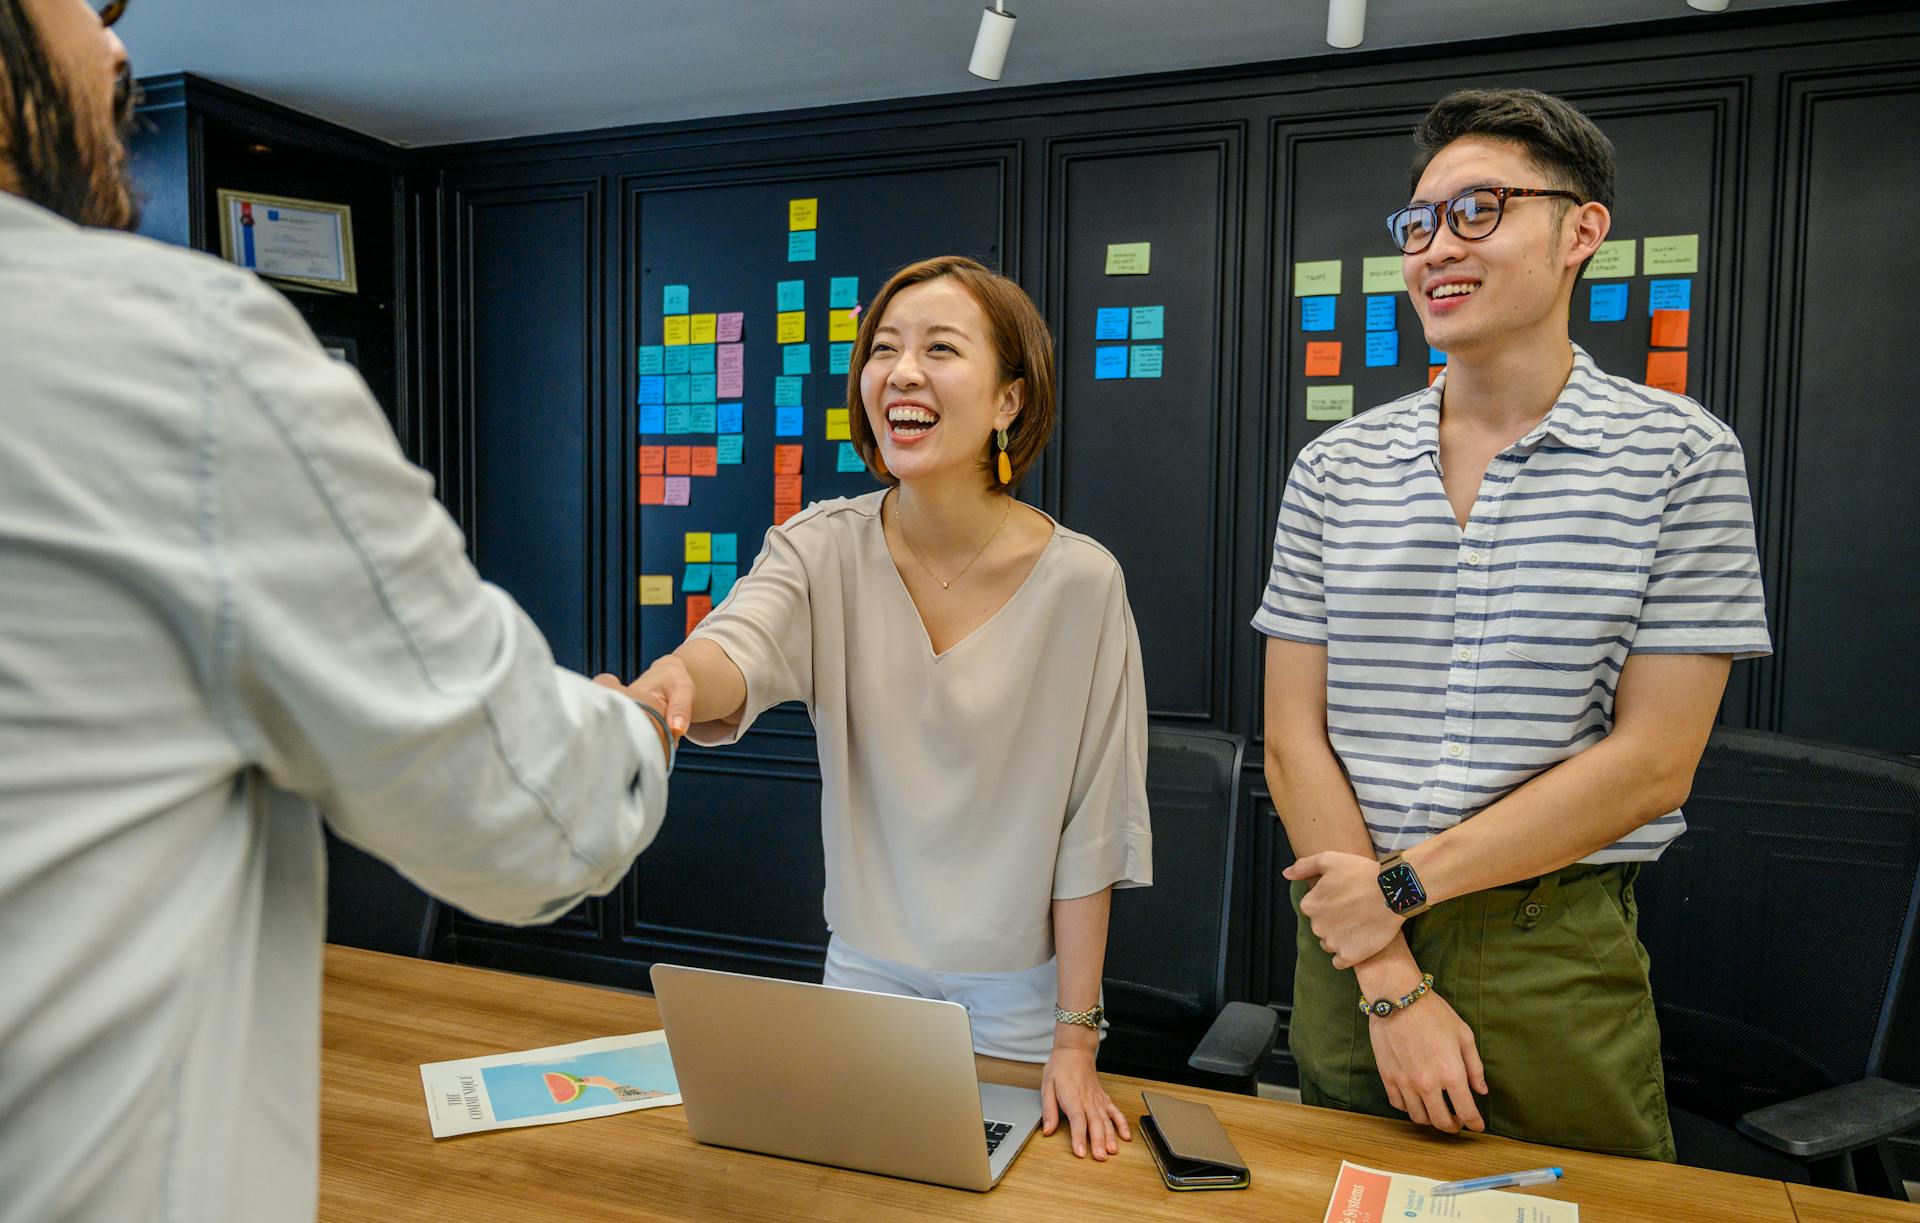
1005	465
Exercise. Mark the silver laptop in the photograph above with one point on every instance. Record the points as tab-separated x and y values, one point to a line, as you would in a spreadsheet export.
845	1077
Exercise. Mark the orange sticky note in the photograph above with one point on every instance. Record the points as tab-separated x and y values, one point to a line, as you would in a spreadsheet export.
653	490
706	460
786	460
1667	371
1434	372
679	460
1323	359
697	608
786	487
653	460
1670	329
783	510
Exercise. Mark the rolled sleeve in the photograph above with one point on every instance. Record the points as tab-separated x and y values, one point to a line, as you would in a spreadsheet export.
1107	840
1703	593
1293	605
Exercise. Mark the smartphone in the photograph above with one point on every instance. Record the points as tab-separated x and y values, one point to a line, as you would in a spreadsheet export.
1184	1173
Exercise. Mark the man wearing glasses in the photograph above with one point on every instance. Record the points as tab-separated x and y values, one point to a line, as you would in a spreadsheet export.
1501	615
225	598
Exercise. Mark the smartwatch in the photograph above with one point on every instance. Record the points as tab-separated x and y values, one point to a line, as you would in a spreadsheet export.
1401	886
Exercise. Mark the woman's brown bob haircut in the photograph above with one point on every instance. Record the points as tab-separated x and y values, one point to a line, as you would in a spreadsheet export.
1021	342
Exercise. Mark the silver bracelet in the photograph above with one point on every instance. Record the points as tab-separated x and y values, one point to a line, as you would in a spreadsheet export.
666	733
1085	1019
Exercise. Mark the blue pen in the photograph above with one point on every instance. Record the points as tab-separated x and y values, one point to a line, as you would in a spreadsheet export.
1506	1180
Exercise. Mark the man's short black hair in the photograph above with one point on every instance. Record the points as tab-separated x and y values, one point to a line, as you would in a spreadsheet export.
1562	142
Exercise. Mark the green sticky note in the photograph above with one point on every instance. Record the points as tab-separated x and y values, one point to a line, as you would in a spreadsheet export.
1613	260
1381	274
1317	278
1129	258
1329	402
1676	255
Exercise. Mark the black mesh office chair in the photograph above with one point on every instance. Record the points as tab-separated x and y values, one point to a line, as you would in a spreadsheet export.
370	905
1781	927
1167	952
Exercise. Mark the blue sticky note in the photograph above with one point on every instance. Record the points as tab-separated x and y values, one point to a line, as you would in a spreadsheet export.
724	576
653	389
678	418
1149	322
727	418
1669	295
800	246
1435	356
1380	311
839	358
848	459
1608	303
679	360
698	576
651	358
843	293
730	447
700	388
1383	348
674	299
700	358
786	421
700	418
786	392
653	418
726	548
1316	313
796	358
679	388
273	214
1110	361
1110	323
1144	361
791	295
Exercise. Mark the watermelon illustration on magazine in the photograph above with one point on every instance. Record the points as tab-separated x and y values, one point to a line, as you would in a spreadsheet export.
594	1078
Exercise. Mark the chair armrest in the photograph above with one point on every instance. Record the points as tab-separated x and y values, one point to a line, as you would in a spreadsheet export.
1238	1042
1835	1121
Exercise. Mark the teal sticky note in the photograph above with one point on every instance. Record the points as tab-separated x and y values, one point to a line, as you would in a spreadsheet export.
678	418
730	446
796	359
843	293
800	246
1110	323
652	359
848	459
700	418
1380	312
1110	361
839	358
724	576
791	295
698	576
726	548
700	388
700	359
1149	322
678	360
1144	361
1607	302
1316	313
1383	348
727	418
679	388
786	392
786	421
674	299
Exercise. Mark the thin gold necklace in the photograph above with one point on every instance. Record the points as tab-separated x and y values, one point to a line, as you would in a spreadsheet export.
947	582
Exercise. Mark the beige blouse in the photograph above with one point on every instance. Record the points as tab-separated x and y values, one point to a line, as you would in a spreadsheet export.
960	793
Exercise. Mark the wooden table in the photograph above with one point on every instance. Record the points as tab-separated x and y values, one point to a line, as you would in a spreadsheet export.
385	1015
1829	1206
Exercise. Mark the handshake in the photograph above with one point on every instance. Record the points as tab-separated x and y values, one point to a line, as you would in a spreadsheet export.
665	691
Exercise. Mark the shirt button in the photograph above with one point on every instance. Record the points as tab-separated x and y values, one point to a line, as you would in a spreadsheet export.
1464	654
1454	749
1473	558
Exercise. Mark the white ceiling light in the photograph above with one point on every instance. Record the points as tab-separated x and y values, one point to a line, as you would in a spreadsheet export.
990	44
1346	23
1709	6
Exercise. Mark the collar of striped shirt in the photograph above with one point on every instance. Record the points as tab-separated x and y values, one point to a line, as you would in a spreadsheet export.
1570	421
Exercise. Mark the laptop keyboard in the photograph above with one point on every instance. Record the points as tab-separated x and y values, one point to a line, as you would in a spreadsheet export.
997	1132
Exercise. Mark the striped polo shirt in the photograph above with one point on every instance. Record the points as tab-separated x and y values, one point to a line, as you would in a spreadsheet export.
1460	664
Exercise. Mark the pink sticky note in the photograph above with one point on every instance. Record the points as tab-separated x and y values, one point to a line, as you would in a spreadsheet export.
727	327
730	363
679	490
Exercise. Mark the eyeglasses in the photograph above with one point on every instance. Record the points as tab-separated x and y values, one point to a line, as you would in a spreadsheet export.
109	11
1473	214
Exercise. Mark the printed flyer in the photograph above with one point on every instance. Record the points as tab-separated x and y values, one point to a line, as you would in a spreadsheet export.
1368	1195
594	1078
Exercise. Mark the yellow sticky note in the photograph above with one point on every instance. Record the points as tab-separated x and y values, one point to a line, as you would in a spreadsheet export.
792	328
1129	258
838	427
1613	260
1381	274
676	329
699	546
842	325
704	328
803	214
1676	255
1316	278
656	590
1329	402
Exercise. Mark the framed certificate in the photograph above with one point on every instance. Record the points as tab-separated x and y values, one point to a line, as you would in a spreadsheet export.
303	242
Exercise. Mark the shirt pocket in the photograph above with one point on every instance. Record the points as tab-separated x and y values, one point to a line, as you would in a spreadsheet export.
1569	605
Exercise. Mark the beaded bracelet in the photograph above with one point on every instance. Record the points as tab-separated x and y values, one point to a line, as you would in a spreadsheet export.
1383	1007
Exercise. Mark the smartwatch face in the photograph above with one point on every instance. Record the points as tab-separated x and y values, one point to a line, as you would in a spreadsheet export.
1402	887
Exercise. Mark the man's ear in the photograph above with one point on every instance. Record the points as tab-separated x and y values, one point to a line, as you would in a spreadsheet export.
1591	224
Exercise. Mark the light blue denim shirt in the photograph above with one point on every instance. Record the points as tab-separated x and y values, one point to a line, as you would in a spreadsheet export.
227	606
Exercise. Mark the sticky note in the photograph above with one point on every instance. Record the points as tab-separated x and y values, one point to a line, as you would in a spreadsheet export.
787	421
727	418
656	589
839	358
791	327
1382	313
1143	361
1661	295
726	548
1383	348
1316	277
651	360
697	577
1673	255
679	388
1381	274
800	247
679	460
727	327
702	388
1607	303
1149	322
1667	371
679	418
789	295
653	460
698	547
678	360
679	491
796	359
842	325
730	362
701	419
653	490
705	460
803	214
724	576
1316	313
700	358
1323	359
1670	328
1110	323
653	389
839	428
705	327
698	609
674	299
786	488
1613	261
848	459
1110	361
787	459
1435	356
843	292
653	418
729	448
786	392
674	329
1129	258
1329	402
1434	372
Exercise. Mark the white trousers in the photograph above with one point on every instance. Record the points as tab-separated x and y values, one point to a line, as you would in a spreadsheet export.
1011	1012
